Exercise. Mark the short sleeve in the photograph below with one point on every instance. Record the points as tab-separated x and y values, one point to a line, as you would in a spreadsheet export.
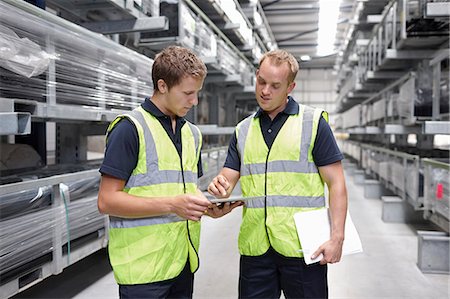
233	159
121	153
326	150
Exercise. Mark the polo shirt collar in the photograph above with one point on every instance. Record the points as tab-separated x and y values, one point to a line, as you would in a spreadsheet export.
151	108
291	108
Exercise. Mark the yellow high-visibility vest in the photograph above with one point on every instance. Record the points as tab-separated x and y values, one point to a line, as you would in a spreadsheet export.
284	177
145	250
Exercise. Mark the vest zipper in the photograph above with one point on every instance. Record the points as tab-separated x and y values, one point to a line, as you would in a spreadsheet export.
187	221
265	198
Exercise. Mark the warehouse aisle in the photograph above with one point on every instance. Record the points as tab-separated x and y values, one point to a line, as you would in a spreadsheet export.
386	269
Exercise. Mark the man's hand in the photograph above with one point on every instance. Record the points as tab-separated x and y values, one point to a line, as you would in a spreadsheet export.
216	211
219	187
331	250
189	206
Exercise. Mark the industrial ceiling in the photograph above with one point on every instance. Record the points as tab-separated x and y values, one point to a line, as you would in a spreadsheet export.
295	26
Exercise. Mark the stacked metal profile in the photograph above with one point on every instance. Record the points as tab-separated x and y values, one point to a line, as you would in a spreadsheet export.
54	70
87	70
29	217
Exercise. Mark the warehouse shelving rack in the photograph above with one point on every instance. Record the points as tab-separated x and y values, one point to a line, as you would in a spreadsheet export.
395	46
399	172
397	88
229	38
226	39
422	182
111	16
46	240
399	108
206	28
364	17
61	84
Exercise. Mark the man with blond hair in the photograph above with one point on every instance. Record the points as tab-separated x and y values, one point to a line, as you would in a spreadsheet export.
282	155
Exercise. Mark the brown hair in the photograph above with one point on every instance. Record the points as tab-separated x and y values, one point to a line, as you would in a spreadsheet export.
278	57
174	63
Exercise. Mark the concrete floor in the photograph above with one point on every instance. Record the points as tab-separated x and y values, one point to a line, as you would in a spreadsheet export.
386	269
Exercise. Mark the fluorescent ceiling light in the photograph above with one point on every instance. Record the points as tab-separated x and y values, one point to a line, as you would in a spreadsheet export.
328	17
305	58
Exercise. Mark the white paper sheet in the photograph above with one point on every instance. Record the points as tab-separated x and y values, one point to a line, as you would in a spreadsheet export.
313	229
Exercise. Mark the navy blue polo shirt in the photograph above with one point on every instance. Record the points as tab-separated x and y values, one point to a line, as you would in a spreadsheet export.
325	150
122	148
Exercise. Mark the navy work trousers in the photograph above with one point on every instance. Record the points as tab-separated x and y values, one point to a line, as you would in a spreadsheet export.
265	276
179	287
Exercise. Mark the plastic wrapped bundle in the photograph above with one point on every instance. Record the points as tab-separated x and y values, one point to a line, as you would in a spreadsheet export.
81	188
20	55
188	27
227	58
25	201
85	69
83	219
28	238
206	40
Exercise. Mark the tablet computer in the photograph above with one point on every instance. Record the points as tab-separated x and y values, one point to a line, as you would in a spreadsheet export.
231	199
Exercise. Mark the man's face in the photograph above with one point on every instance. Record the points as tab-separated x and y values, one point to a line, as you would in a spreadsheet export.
273	87
182	97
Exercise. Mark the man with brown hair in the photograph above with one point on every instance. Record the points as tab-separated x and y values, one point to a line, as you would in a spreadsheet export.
149	184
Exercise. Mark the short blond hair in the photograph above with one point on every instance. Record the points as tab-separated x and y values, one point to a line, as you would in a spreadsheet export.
278	57
175	63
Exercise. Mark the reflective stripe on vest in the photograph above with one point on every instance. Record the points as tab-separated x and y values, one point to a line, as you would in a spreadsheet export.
145	250
164	176
285	177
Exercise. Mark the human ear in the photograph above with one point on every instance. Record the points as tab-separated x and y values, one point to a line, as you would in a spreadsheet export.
291	86
162	86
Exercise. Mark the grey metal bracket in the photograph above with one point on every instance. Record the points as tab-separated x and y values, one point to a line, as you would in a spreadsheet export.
15	123
438	9
436	127
409	54
132	25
